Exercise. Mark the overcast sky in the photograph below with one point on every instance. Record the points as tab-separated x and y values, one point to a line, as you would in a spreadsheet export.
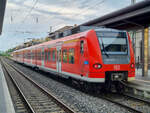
26	19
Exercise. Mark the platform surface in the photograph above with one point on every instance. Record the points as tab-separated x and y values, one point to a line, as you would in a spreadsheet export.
6	105
139	75
142	80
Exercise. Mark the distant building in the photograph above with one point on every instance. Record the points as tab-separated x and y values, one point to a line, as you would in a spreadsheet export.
60	32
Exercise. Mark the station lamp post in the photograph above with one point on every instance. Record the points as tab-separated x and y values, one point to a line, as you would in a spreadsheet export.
145	51
133	2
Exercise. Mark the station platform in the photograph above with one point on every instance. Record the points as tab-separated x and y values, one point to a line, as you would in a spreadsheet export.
140	86
6	104
140	76
140	80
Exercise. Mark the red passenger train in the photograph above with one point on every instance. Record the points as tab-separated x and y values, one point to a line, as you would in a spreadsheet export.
95	56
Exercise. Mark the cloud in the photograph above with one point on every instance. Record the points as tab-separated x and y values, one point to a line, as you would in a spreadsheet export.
55	13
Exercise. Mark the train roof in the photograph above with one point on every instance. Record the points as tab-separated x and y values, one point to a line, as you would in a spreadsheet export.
71	37
82	31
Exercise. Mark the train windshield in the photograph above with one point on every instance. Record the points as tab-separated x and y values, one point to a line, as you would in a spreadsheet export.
113	42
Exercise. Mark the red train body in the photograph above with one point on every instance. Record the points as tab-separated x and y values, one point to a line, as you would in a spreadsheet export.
95	55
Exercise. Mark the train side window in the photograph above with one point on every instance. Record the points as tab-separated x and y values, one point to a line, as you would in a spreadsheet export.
42	55
38	55
65	56
46	54
30	55
81	46
71	56
54	56
27	55
33	55
49	55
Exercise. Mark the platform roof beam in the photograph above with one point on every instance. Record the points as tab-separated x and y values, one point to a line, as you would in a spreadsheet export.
133	17
2	11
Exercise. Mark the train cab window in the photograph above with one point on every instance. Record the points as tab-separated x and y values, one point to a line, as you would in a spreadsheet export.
54	56
49	55
71	56
81	46
65	56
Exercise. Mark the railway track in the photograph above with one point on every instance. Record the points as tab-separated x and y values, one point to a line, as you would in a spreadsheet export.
38	98
132	103
17	99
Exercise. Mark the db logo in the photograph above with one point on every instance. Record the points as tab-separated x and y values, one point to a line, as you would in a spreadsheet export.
116	67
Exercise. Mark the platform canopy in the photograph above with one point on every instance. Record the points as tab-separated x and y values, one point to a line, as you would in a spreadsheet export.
2	10
136	16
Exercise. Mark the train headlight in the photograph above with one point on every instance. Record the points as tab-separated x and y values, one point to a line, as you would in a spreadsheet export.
132	65
97	66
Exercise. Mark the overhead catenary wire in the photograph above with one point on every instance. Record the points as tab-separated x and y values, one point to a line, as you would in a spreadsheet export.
25	18
62	9
84	10
96	4
58	23
30	10
37	20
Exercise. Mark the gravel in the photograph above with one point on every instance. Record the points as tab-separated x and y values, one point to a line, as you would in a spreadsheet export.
79	101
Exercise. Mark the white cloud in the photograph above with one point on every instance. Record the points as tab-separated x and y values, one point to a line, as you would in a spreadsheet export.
12	6
56	13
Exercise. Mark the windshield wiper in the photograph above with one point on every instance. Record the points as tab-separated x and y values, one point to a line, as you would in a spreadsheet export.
104	50
104	47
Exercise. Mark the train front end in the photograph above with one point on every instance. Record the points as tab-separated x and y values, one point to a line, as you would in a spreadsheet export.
117	55
113	58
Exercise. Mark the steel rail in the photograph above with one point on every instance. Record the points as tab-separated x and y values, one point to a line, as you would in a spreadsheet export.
20	104
45	90
15	83
134	97
137	98
120	104
113	101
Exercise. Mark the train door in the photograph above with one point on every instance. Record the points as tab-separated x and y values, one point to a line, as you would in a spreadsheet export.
58	62
42	54
82	56
84	61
